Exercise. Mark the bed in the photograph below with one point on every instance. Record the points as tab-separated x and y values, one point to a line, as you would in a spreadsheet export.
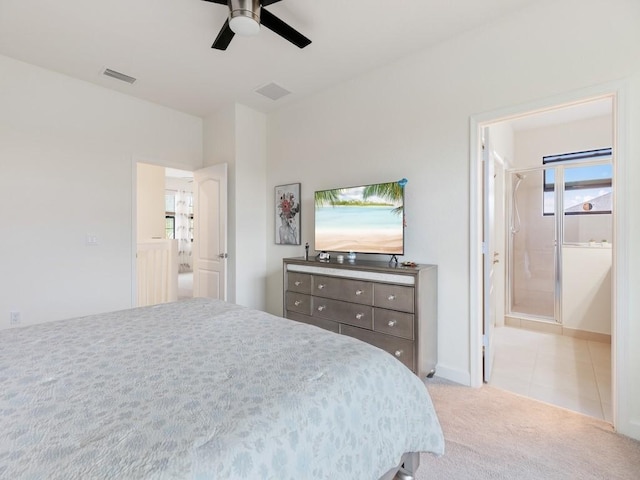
204	389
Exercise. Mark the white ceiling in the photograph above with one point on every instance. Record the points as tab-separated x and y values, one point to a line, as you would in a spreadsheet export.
165	44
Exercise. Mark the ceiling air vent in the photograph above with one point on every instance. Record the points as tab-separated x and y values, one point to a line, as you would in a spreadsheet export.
118	76
273	91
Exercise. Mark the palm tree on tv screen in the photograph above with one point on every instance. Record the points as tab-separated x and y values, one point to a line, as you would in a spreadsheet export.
391	192
327	197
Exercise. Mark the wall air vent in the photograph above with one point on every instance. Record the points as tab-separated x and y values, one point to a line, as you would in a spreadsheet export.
273	91
118	76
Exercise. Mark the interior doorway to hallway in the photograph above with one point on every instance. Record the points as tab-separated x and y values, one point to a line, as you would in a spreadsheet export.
202	195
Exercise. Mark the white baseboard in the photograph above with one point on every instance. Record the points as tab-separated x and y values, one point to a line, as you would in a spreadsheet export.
453	374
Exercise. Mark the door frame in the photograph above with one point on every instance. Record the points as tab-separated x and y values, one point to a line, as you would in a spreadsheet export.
620	275
135	160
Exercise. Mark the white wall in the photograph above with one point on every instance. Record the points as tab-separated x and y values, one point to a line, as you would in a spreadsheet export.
236	135
251	216
67	152
411	119
578	136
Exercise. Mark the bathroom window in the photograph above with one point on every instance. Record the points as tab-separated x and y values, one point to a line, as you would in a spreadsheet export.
587	188
170	227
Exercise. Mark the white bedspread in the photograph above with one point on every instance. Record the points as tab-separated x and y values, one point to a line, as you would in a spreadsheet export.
204	389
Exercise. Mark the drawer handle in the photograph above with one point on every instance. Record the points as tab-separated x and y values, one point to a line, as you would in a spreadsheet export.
321	286
359	292
391	297
359	316
321	308
392	323
297	283
297	303
398	353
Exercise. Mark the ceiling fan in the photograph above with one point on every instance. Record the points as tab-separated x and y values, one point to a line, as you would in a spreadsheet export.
245	18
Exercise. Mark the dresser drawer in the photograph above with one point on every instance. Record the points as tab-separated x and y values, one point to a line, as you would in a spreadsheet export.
398	347
298	302
318	322
299	282
355	291
394	323
394	297
343	312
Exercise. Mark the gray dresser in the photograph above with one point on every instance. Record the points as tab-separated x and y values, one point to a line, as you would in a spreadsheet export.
390	306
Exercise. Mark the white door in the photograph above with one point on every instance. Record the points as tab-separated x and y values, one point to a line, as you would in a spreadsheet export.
490	256
210	232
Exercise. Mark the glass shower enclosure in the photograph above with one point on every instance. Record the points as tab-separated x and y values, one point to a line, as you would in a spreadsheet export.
566	204
532	248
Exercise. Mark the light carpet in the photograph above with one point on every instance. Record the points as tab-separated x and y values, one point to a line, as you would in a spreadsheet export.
494	434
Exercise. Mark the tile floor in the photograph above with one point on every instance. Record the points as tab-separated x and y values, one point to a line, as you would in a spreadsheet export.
560	370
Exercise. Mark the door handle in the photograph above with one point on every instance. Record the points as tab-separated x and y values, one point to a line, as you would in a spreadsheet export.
223	255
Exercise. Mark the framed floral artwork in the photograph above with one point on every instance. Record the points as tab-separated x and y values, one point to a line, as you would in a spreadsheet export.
288	214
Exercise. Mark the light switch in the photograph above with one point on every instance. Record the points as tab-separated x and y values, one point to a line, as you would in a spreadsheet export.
91	240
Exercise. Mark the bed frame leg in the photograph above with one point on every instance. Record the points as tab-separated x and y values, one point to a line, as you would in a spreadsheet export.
403	475
409	466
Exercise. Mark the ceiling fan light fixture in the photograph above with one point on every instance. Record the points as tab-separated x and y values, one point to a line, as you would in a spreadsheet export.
244	25
244	17
247	16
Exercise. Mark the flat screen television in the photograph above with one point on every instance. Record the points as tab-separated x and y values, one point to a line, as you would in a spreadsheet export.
362	219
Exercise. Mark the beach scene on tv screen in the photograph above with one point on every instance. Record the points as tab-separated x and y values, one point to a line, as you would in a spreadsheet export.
366	219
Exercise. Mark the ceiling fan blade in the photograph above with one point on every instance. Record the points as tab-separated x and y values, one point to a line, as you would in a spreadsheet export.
287	32
221	2
224	37
266	3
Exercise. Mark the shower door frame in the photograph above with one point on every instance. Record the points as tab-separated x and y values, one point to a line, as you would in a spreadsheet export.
557	247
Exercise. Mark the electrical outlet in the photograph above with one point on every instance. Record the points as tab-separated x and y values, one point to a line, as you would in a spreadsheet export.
14	318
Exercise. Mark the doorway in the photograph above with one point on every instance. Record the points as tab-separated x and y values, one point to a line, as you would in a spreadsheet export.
188	212
536	270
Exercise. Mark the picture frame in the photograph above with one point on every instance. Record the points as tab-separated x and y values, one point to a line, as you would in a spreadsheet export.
287	214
